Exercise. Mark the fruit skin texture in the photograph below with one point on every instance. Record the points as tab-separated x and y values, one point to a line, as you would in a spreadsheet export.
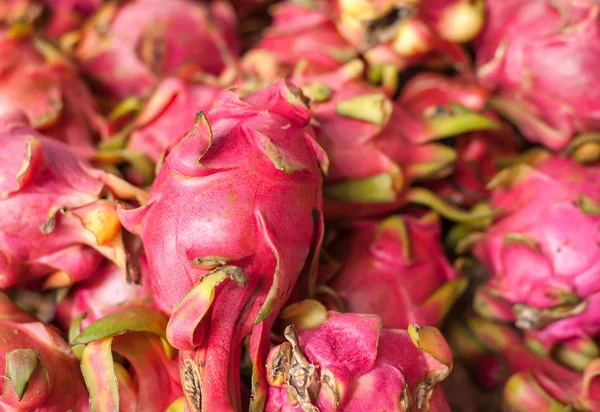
55	384
145	41
58	214
541	58
342	362
37	79
542	250
395	268
144	376
379	147
215	215
169	115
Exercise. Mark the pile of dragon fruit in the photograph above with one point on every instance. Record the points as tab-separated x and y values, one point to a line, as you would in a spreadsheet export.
300	205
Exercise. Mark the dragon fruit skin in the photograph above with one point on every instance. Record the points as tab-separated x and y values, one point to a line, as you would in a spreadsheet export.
127	50
30	347
55	225
108	291
532	381
395	268
339	363
433	96
377	147
541	250
41	82
478	160
264	142
169	115
144	376
540	57
305	32
68	15
57	17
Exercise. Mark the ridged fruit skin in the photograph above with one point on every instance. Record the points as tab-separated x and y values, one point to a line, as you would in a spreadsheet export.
540	56
56	383
542	249
303	33
348	362
169	115
377	146
395	268
107	291
37	79
236	181
143	376
58	214
434	96
127	50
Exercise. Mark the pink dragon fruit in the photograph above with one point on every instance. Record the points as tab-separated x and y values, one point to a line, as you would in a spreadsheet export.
39	370
540	57
108	291
144	376
395	268
302	33
58	213
254	167
541	251
478	161
532	382
37	79
67	15
377	147
347	362
56	17
169	115
400	34
435	96
128	50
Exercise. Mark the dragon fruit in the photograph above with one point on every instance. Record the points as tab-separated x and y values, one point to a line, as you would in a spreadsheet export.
256	166
541	251
144	376
37	79
39	370
349	362
57	17
479	157
376	146
395	268
532	381
128	50
169	115
540	58
108	291
301	33
59	214
401	34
